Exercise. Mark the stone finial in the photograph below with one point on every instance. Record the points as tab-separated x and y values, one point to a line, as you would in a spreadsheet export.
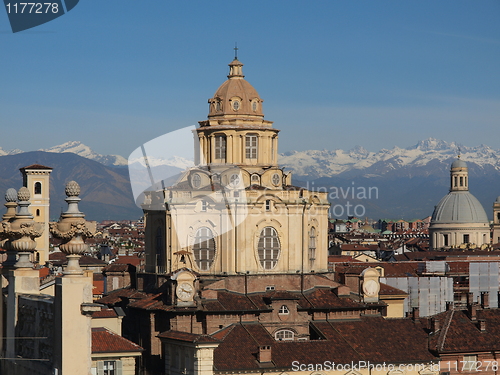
23	194
20	230
11	205
72	189
11	195
73	230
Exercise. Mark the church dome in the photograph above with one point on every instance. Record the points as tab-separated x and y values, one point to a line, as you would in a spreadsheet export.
459	163
498	199
459	207
235	97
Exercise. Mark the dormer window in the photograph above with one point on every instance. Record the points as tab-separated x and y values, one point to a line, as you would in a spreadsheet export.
284	310
284	335
254	105
236	105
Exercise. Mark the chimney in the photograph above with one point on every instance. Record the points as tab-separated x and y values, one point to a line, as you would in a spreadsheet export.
485	300
473	311
435	325
470	299
415	313
264	354
482	325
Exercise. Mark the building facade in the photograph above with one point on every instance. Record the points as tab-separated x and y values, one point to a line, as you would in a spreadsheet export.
237	210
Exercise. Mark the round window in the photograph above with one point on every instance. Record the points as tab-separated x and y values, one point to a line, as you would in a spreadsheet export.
276	179
234	180
196	180
236	105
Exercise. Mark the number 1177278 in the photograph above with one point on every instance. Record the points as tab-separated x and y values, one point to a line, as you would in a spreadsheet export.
32	7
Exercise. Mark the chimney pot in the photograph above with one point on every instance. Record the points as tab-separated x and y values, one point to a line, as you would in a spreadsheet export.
264	353
482	325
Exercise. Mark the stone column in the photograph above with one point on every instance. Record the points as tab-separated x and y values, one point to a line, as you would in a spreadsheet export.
73	297
19	232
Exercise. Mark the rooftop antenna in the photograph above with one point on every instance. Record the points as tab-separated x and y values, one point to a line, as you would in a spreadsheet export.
235	50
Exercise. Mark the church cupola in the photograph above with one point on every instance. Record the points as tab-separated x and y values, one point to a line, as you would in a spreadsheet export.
235	69
459	174
235	98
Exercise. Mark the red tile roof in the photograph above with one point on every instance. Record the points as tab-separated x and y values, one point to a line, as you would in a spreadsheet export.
106	341
373	339
186	336
387	290
35	166
459	334
118	295
105	313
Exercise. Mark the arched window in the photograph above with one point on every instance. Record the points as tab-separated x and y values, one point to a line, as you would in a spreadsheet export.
220	147
38	188
37	212
312	246
284	310
284	334
204	248
269	248
251	146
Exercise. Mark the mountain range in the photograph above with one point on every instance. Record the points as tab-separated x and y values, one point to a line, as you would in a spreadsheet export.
404	182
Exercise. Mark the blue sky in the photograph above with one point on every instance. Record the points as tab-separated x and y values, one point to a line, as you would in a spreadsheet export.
333	74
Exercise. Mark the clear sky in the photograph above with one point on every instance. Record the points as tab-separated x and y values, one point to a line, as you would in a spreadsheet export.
334	74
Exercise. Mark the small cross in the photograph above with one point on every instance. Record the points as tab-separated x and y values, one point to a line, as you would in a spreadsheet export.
235	51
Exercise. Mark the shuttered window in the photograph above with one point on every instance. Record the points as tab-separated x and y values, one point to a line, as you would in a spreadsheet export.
204	248
269	248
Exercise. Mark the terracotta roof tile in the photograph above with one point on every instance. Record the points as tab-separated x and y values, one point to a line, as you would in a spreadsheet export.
118	295
343	342
387	290
105	313
459	334
186	336
35	166
106	341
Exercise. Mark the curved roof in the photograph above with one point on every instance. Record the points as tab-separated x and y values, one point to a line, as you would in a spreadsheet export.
236	88
459	207
459	163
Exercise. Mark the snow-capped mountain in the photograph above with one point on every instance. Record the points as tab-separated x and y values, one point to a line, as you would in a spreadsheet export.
175	161
11	152
80	149
328	163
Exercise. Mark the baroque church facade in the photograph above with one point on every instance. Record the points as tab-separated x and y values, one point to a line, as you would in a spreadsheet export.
237	210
